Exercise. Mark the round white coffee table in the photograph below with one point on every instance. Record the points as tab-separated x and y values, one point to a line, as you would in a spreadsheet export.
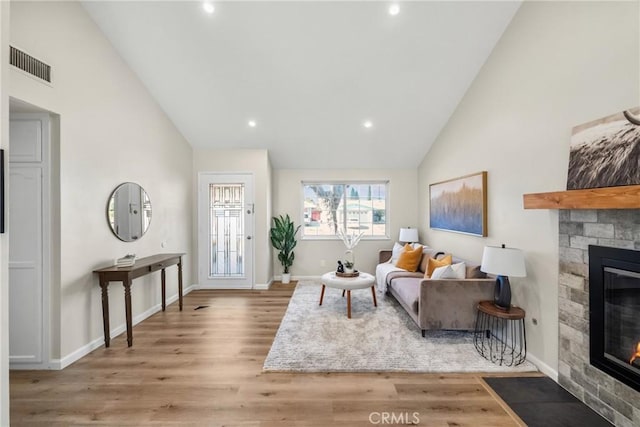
348	284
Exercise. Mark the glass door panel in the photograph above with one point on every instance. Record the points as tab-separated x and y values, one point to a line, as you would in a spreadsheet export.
226	231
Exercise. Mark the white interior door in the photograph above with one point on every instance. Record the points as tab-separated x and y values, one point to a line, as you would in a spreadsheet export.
225	230
28	203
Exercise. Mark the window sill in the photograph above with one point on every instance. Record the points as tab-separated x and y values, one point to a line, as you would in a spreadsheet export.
337	239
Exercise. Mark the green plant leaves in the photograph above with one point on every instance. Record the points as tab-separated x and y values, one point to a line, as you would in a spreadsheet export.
283	238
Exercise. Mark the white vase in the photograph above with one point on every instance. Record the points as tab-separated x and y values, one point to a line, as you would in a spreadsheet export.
286	278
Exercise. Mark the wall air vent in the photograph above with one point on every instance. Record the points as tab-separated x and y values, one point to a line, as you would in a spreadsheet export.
29	64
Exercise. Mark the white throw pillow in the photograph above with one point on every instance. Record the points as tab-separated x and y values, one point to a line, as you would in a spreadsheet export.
454	271
395	253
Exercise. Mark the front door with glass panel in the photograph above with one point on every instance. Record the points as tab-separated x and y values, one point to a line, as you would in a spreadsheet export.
225	227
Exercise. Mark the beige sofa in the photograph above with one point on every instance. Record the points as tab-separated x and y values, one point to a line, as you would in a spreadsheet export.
439	303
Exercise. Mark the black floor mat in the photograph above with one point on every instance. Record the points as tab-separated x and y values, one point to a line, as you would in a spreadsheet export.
540	402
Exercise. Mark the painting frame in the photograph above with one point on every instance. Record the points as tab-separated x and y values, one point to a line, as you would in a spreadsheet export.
603	153
466	198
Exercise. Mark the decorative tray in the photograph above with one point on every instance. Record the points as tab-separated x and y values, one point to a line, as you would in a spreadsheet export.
354	274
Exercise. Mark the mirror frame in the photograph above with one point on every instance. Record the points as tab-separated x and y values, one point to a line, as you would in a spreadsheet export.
111	197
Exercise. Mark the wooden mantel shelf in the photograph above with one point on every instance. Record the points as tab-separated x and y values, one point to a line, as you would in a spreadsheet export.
627	197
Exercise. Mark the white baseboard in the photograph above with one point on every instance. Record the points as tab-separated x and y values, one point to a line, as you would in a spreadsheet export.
263	286
22	366
57	364
185	291
543	367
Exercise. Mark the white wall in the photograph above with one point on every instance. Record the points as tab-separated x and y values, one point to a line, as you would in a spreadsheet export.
111	131
556	66
403	207
256	162
4	238
269	215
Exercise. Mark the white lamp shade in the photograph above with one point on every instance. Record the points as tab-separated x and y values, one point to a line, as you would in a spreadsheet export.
408	235
503	261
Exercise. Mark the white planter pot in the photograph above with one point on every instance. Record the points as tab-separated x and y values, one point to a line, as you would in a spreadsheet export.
286	277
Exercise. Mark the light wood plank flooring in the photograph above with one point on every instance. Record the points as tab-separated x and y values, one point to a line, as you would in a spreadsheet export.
204	367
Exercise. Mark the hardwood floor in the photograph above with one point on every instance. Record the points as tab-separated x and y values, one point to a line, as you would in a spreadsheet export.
204	367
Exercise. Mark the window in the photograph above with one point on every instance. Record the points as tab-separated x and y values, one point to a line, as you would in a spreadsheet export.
353	207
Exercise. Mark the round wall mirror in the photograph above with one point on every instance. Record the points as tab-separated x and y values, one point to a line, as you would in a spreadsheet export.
129	211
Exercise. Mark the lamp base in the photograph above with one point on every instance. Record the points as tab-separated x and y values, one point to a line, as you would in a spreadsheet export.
502	294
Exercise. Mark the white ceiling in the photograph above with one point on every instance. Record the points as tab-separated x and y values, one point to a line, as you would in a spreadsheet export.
309	73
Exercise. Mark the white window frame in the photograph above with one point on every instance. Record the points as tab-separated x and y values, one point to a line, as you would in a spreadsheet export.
346	183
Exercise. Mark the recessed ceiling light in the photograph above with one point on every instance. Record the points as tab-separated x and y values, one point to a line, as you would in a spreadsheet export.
252	123
367	124
394	9
208	7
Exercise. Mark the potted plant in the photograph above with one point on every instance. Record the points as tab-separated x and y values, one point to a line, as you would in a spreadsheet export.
348	267
283	238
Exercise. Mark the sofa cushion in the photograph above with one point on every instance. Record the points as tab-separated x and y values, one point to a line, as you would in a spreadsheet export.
453	271
382	271
426	254
473	269
407	289
473	272
433	264
401	273
410	258
398	249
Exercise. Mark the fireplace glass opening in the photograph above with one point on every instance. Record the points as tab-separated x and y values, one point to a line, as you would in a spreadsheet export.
614	312
622	317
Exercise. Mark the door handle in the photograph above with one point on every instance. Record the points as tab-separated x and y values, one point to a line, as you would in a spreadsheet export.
248	237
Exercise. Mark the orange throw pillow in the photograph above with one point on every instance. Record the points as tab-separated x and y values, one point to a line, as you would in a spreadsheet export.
410	258
435	263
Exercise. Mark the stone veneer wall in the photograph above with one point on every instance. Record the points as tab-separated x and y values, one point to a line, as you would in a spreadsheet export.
609	397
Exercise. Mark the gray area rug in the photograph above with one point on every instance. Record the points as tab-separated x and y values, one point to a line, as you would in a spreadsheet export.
314	338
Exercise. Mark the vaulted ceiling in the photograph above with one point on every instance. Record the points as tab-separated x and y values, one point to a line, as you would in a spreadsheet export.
309	74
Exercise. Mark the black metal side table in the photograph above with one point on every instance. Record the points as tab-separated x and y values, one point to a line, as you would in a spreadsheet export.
500	335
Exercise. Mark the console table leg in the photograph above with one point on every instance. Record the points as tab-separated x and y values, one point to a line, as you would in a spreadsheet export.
180	283
349	304
163	277
321	294
127	307
105	312
373	292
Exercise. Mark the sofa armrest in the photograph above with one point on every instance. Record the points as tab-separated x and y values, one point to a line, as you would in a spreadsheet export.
384	256
451	303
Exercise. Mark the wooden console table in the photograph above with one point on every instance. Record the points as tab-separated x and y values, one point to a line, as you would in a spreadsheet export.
126	275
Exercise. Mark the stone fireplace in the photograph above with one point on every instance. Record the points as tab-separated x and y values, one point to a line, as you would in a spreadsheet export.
615	399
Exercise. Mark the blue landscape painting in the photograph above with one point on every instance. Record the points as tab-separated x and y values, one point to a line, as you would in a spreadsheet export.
459	205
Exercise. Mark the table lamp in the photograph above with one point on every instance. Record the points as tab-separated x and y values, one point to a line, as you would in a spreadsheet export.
408	235
503	262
